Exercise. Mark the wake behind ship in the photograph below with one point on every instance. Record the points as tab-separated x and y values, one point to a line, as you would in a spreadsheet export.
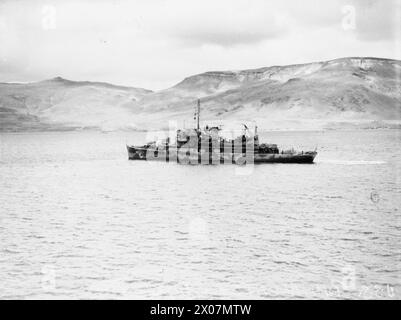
207	146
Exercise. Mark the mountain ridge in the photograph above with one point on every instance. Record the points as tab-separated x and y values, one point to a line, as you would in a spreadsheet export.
341	90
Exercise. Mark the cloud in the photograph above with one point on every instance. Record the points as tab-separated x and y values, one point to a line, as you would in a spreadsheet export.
156	43
223	22
377	20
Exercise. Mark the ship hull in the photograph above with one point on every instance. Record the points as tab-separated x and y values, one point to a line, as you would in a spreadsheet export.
136	153
285	158
172	155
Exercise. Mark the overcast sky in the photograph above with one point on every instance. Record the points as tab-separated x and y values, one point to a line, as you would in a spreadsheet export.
156	43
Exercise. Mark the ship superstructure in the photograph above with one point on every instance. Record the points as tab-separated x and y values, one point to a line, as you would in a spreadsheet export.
208	146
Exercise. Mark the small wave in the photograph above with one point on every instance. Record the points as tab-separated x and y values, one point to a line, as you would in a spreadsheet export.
352	162
10	251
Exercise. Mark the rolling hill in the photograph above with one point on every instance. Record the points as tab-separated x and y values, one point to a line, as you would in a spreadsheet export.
60	104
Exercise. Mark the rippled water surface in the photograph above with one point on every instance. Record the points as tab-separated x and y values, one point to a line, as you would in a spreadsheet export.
78	220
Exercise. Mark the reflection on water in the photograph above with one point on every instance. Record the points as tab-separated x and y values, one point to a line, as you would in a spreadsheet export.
78	220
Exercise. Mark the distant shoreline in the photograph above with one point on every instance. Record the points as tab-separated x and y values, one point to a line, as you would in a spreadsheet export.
374	125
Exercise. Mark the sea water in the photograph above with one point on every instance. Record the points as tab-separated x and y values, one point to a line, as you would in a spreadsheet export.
78	220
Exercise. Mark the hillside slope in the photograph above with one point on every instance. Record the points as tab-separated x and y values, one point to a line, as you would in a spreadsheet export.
60	104
349	89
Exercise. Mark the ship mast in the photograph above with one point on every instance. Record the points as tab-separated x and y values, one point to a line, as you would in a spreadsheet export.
198	115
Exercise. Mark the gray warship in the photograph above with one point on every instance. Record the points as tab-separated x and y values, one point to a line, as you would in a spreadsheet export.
207	146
